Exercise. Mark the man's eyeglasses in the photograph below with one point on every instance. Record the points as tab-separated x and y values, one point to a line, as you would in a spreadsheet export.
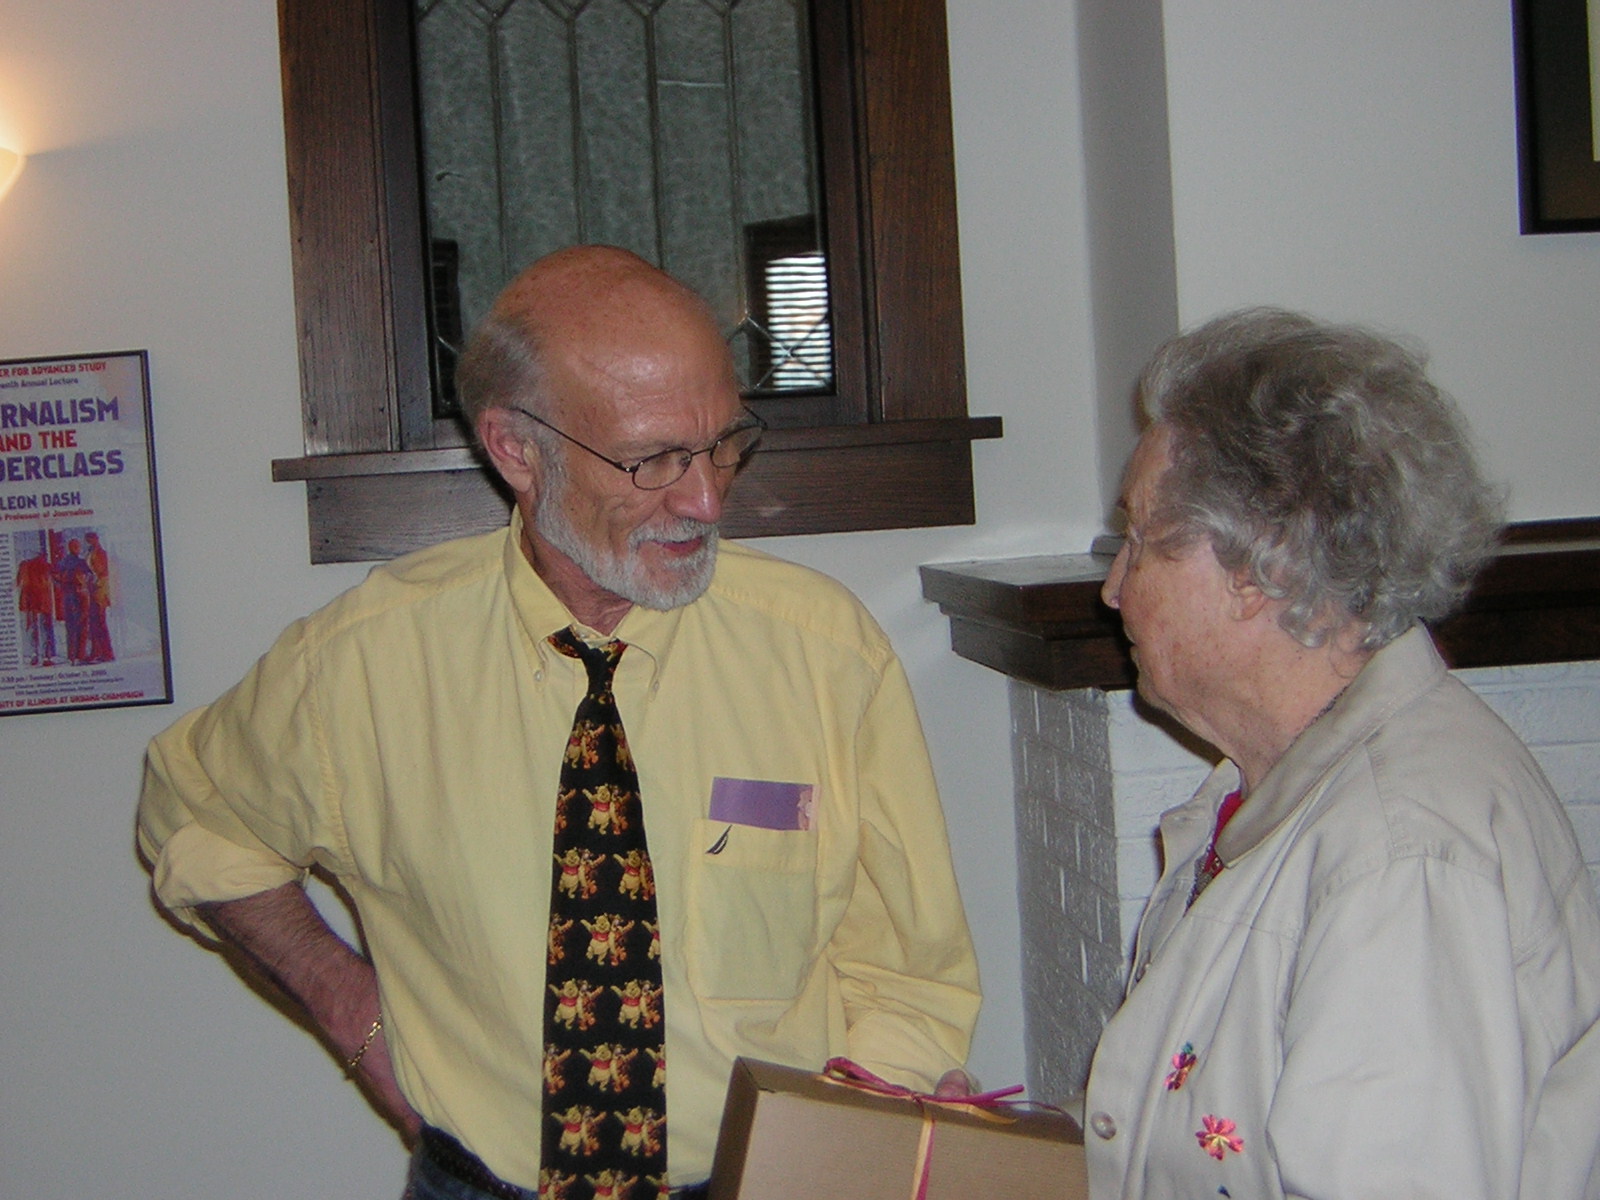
664	469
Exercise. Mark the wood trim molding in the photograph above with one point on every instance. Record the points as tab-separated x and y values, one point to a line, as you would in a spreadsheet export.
824	437
903	475
1041	619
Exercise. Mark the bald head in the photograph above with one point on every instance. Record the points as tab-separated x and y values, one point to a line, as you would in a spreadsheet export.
592	291
586	314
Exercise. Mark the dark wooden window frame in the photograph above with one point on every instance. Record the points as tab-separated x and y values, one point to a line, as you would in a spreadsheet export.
893	450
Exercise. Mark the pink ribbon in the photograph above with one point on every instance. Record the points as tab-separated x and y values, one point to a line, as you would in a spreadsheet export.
850	1074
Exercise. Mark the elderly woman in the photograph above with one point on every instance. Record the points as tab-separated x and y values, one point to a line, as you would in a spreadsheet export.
1371	967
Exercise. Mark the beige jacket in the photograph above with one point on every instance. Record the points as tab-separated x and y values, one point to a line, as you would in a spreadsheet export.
1391	991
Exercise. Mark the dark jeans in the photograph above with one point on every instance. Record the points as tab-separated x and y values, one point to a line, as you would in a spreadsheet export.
441	1169
428	1181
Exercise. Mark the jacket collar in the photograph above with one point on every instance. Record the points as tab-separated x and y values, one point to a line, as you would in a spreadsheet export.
1393	678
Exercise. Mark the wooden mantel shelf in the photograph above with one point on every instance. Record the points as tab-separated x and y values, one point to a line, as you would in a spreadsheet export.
1041	619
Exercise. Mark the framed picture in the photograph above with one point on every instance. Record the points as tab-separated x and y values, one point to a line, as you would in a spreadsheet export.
82	609
1558	97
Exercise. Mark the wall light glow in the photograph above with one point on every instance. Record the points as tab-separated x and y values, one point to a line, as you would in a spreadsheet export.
10	167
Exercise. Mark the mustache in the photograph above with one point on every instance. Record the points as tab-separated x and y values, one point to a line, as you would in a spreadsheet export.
679	529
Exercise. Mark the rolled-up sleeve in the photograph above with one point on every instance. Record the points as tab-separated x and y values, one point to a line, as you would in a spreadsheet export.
230	801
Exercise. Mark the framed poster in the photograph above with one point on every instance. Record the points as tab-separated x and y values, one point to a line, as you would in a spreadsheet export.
1558	114
83	619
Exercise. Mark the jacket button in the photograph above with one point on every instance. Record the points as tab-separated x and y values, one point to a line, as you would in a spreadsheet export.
1105	1128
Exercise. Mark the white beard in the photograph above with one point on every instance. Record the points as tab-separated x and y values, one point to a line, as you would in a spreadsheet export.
625	575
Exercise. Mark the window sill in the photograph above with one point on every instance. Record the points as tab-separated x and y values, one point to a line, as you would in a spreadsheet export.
890	475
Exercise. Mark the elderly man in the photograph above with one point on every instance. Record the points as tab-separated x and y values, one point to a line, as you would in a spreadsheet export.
613	805
1371	966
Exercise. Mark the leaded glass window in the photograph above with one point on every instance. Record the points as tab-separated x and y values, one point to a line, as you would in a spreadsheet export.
680	129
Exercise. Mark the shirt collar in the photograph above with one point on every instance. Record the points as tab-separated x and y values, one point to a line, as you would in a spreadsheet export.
649	631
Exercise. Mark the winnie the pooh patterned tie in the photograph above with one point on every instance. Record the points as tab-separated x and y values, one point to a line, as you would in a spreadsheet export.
605	1108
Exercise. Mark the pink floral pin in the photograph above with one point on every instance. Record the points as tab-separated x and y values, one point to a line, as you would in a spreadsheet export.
1182	1063
1217	1138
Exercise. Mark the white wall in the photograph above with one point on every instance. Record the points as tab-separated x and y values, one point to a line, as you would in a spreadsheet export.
1363	169
1359	160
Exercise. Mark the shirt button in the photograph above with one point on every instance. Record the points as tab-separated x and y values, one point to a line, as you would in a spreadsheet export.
1104	1127
538	676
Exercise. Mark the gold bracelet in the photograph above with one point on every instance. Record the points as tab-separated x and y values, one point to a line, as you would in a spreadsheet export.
366	1044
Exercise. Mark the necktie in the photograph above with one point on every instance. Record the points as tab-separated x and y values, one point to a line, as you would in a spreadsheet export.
605	1103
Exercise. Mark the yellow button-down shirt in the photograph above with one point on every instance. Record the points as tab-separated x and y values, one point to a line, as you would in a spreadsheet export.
408	738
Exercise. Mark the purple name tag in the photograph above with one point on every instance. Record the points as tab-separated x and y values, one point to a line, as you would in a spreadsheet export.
762	802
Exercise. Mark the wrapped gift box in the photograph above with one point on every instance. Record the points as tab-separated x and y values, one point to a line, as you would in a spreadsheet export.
788	1134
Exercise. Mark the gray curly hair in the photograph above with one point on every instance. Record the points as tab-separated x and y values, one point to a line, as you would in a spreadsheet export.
1321	460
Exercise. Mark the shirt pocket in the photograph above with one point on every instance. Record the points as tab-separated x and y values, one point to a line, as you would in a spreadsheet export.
752	912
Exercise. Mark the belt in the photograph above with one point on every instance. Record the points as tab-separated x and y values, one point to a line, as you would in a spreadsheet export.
461	1164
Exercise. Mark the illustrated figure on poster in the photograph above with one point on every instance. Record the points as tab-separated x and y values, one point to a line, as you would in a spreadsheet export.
76	580
99	633
36	603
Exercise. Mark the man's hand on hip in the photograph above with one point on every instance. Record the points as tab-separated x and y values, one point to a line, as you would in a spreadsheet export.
283	937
